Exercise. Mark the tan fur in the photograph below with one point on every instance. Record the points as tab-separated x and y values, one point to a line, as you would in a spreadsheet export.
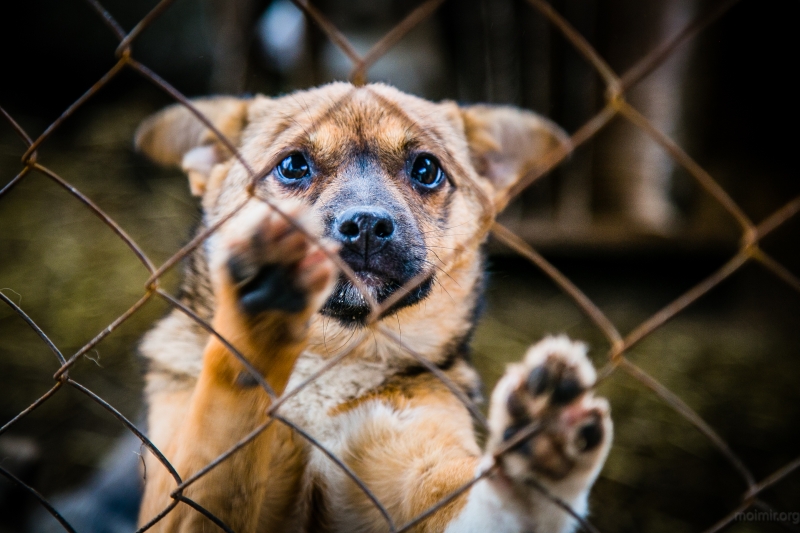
412	468
403	432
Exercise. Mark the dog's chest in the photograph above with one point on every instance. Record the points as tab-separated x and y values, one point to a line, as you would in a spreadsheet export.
311	407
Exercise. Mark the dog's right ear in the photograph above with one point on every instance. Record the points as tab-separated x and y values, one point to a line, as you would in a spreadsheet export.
506	142
176	137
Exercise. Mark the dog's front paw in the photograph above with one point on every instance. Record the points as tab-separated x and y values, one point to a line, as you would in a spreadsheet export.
550	390
272	265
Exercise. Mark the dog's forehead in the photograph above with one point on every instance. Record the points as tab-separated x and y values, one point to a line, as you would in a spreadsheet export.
374	115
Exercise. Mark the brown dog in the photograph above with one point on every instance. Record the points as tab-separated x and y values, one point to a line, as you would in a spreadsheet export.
403	190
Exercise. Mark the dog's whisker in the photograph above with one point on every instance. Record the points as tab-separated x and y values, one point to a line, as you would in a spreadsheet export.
442	271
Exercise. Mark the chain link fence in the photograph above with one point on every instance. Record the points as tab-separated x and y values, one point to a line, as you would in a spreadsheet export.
616	85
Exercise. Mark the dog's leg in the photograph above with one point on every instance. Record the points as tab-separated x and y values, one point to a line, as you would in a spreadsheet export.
414	448
549	390
269	280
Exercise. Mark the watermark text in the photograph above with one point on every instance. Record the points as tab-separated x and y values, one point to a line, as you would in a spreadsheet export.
759	515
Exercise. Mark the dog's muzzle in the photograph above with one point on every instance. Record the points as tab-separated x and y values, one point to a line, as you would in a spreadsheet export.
383	253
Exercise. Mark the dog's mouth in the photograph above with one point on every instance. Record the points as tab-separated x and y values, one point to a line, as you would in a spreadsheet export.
348	304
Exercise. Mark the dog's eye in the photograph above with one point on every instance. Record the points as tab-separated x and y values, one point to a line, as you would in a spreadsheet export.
294	167
426	171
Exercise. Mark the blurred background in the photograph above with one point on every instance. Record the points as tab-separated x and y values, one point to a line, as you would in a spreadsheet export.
622	221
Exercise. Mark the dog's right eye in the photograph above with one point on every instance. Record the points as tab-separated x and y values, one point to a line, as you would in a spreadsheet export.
294	167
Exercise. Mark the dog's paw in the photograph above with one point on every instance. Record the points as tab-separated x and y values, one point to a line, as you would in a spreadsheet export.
272	265
550	389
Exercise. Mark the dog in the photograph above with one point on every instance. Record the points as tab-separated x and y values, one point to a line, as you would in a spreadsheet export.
400	192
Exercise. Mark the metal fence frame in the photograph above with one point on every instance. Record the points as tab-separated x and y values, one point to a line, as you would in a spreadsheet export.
616	88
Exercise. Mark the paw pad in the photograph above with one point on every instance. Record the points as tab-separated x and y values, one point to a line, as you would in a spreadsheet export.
557	378
590	435
271	264
551	387
269	289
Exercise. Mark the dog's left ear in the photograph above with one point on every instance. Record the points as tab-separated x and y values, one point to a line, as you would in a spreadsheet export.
506	143
176	137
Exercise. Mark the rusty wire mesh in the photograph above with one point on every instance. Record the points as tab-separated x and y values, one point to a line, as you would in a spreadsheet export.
616	86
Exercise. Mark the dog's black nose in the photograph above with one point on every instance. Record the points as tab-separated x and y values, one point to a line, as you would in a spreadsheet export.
365	229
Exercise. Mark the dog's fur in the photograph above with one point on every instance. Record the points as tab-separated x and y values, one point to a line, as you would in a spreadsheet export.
280	301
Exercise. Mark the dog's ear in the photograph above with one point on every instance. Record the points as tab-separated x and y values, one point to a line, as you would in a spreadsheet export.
176	137
506	143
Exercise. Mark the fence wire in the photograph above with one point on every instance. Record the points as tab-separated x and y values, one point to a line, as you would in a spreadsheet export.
616	87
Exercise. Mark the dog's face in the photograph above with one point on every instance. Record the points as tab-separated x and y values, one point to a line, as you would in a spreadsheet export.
405	186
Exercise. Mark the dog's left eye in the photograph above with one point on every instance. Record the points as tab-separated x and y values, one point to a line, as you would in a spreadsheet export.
294	167
426	171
